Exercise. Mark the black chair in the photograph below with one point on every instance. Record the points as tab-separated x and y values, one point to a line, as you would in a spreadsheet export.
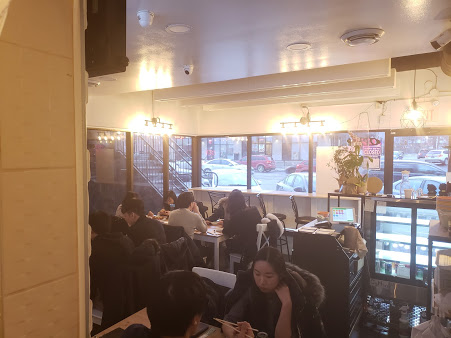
300	220
214	198
283	240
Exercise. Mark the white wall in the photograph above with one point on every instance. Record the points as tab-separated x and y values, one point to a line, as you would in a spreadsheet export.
128	112
266	119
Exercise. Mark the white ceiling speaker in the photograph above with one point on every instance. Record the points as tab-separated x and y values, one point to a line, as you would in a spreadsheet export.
145	17
365	36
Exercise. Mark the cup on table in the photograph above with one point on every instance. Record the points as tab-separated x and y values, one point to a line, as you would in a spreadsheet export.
408	193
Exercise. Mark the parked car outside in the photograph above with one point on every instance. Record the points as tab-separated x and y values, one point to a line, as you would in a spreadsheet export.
420	182
297	182
230	178
437	156
260	162
300	167
415	168
422	153
222	163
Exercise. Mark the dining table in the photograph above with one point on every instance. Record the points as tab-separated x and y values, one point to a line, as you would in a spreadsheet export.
213	235
140	317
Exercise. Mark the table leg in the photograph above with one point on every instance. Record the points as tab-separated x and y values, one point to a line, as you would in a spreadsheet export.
216	254
429	300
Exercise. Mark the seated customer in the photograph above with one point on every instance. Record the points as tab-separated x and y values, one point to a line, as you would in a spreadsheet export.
108	267
129	195
278	298
187	216
175	309
219	212
169	200
240	224
141	227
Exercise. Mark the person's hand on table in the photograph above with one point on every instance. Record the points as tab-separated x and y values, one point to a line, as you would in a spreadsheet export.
163	212
208	222
220	223
150	214
245	330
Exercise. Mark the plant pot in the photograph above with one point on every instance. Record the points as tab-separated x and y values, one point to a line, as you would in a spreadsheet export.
362	189
350	189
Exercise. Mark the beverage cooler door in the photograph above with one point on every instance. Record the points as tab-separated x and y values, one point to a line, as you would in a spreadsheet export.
393	241
424	216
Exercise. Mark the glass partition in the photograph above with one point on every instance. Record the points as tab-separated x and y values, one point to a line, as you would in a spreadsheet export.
108	180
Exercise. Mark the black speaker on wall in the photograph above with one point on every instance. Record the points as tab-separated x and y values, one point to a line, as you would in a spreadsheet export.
105	37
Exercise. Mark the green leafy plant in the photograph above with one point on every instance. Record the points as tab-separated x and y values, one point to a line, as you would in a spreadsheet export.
346	162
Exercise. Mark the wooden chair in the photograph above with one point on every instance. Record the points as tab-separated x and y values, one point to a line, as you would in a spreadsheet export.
283	240
300	220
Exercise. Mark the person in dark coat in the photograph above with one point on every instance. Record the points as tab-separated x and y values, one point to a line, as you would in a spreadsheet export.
175	308
108	265
278	298
140	226
240	224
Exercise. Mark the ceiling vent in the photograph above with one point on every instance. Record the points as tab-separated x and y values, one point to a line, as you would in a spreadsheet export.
365	36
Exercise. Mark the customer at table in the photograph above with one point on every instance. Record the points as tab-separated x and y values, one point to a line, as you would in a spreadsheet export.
140	226
175	308
169	204
128	195
219	212
108	265
187	215
240	224
278	298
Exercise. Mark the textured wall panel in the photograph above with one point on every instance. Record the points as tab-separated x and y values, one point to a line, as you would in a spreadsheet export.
49	310
40	114
39	227
45	25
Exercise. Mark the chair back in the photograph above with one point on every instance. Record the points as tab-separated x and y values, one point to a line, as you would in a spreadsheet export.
248	200
294	206
219	277
262	204
214	198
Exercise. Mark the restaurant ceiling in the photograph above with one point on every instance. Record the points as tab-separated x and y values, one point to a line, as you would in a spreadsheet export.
240	39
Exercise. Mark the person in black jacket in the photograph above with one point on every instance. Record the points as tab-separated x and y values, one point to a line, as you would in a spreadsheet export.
140	226
240	223
275	297
175	308
108	268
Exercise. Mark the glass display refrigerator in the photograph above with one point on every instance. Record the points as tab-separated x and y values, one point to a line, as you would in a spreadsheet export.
399	240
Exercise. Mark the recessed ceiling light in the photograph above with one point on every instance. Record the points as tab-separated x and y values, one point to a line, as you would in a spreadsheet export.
178	28
299	46
366	36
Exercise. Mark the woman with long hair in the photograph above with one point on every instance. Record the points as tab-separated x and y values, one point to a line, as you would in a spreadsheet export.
275	297
240	224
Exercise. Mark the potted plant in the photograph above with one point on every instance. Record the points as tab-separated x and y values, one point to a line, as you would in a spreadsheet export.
346	162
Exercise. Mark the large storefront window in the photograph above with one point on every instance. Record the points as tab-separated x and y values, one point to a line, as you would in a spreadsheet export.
107	185
276	159
425	157
224	162
180	163
370	141
148	170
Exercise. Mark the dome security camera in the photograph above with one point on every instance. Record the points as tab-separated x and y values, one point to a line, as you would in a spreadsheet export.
188	69
145	18
439	42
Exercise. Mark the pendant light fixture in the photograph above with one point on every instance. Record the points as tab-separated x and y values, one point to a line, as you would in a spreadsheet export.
156	126
414	116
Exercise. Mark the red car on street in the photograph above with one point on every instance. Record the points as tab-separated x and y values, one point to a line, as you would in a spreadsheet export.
260	162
